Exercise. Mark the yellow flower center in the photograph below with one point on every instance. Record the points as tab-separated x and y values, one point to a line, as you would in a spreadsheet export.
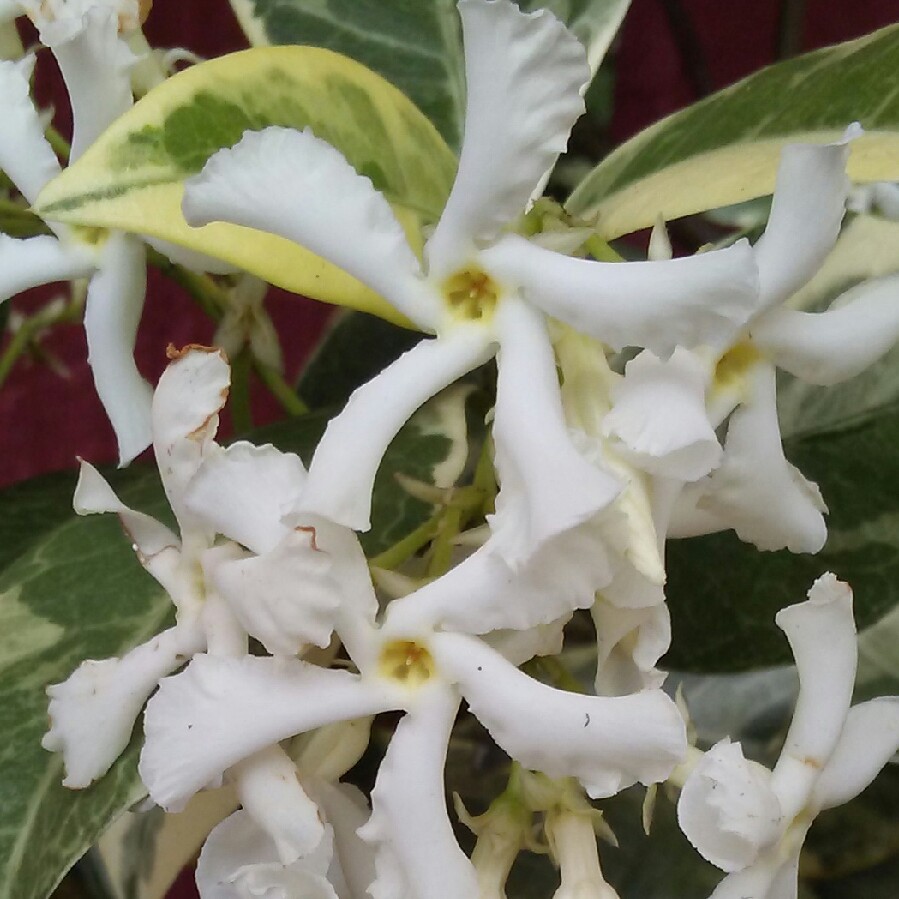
471	293
734	364
406	661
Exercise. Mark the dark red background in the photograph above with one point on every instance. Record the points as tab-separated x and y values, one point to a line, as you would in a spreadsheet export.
670	51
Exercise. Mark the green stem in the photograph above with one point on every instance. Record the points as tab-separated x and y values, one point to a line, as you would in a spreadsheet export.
60	145
600	250
239	398
442	547
408	546
29	330
279	388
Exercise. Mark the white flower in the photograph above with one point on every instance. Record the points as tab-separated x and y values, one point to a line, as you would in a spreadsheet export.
93	712
481	291
95	64
751	821
221	710
755	490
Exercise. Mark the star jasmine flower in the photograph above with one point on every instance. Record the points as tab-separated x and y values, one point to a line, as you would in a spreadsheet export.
481	291
95	63
236	707
752	822
754	489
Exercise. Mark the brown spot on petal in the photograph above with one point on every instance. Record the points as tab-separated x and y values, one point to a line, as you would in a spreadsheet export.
144	7
812	762
173	353
308	529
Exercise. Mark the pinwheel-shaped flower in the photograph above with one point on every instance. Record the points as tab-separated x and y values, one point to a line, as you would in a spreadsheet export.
221	710
95	63
752	822
481	291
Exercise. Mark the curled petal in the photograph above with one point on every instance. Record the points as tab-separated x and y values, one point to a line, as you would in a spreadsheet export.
95	65
221	710
343	469
417	854
659	420
244	491
727	808
92	713
806	211
25	154
695	300
829	347
524	75
870	738
483	594
629	643
40	260
286	598
271	794
292	184
547	485
115	301
188	398
756	491
240	861
607	743
157	548
821	632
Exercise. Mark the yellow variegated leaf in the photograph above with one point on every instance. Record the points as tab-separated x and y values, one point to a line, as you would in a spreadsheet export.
726	148
132	178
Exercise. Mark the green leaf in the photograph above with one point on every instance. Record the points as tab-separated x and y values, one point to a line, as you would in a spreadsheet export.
132	178
415	46
725	149
724	594
356	347
73	590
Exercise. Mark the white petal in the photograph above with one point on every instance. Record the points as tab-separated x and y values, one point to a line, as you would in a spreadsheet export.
92	713
244	491
821	632
702	299
806	211
417	854
346	460
240	861
870	738
293	184
756	491
524	76
188	398
607	743
771	877
829	347
659	419
483	593
346	810
25	154
157	548
270	792
40	260
547	486
629	643
115	301
95	66
727	808
287	598
219	711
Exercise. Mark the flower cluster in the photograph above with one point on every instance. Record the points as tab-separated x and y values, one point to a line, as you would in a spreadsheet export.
595	468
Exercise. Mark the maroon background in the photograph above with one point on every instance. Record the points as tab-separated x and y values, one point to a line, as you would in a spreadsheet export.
662	65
